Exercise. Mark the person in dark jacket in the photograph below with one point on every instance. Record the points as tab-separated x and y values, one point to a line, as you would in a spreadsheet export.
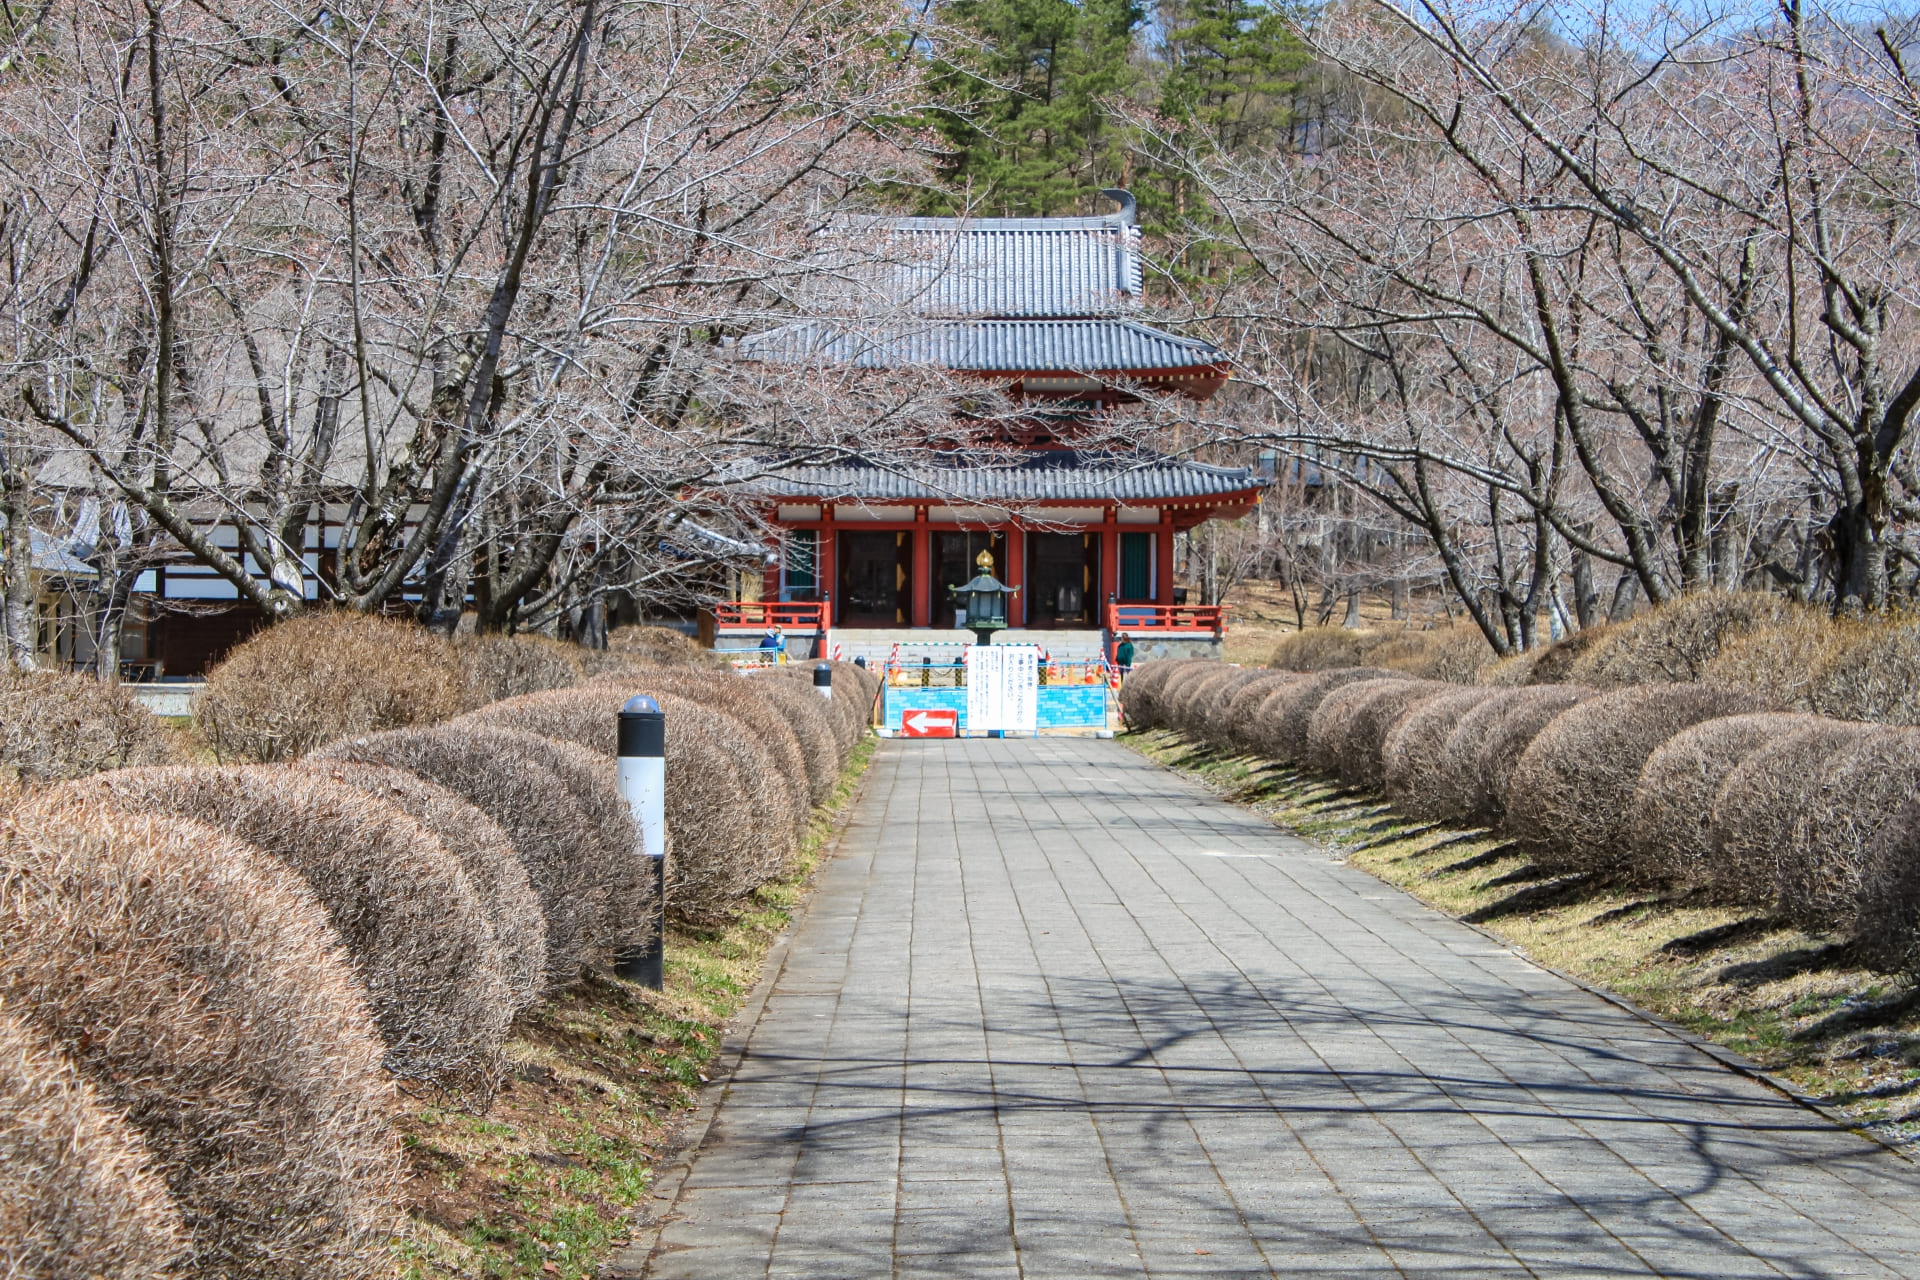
1123	654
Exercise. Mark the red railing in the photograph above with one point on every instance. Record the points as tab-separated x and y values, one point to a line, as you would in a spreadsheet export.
1177	618
770	613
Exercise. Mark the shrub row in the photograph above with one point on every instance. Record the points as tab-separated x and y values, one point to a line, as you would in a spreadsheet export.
214	975
1682	785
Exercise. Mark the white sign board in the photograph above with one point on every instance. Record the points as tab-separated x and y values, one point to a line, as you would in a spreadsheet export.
1003	688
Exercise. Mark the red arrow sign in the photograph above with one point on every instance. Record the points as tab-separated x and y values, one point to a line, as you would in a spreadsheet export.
930	724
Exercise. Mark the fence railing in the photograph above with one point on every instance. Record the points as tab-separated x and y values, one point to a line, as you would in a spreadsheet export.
770	613
1187	619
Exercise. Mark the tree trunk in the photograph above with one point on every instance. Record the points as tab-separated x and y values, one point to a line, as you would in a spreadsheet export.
1352	622
1584	596
22	638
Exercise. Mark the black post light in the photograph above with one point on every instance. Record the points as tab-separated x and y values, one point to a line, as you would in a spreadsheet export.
986	598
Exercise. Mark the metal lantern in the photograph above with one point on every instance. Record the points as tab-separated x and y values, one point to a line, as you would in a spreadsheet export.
986	599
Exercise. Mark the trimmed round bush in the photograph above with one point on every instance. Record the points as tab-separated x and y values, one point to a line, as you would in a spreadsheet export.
1572	789
1242	710
1876	677
1140	692
1818	875
659	646
1282	725
493	667
1326	648
1668	824
1490	739
1453	654
1778	663
411	921
1673	643
1362	743
1327	726
1756	806
54	727
723	847
1555	663
1197	717
78	1196
813	732
1414	752
507	899
323	676
616	867
194	982
1886	927
1182	683
499	772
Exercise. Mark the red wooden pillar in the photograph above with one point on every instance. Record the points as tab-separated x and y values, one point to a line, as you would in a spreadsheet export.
1163	556
829	565
1109	567
922	586
1017	575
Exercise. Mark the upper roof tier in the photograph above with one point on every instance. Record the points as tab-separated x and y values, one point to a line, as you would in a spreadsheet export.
1016	268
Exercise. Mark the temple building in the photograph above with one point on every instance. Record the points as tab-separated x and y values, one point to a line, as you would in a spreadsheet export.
871	548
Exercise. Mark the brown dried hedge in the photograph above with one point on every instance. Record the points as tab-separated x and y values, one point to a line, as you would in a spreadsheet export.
660	646
1673	643
78	1195
1571	792
506	895
1779	662
1414	752
1489	740
1281	726
499	772
813	731
1362	744
851	706
54	727
1452	654
1140	692
1326	648
1243	708
196	985
723	846
1668	824
1201	700
1875	677
1886	928
324	676
1818	876
1327	726
493	667
416	930
1755	808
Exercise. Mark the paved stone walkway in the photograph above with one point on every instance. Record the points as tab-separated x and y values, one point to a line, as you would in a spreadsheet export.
1058	1012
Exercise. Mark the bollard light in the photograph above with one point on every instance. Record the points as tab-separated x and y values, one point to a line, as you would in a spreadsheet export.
823	680
642	750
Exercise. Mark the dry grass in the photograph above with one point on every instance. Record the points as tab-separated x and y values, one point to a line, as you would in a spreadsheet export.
1572	789
1668	825
54	727
1756	806
196	985
78	1194
511	907
325	676
499	772
1414	754
493	667
411	921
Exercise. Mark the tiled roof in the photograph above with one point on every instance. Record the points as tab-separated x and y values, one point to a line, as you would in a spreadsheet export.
1015	267
982	346
1055	475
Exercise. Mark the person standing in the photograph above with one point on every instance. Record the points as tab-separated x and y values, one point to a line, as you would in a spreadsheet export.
1123	654
774	643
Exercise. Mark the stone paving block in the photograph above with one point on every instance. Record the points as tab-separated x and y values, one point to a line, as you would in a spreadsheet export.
1033	1024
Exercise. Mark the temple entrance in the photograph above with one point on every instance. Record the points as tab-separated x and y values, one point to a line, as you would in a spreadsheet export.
1063	576
876	579
953	564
